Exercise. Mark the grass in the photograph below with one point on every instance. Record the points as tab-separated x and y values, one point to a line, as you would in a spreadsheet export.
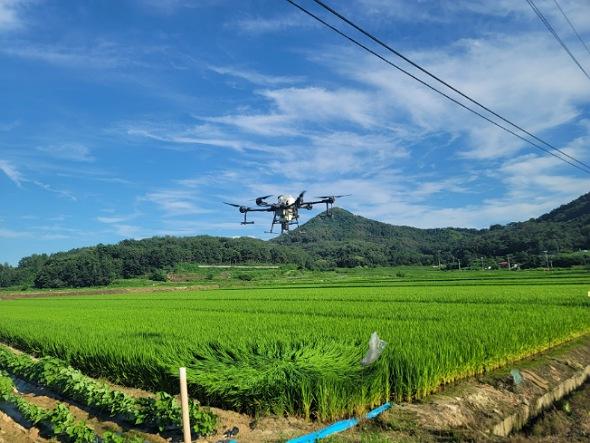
297	349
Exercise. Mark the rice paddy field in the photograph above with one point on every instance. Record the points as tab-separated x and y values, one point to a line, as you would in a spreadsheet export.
295	347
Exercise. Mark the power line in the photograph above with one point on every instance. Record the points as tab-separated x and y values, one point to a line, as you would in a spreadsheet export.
585	167
552	31
438	79
572	26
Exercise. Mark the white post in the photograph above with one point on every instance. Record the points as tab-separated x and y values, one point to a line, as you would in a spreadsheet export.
186	425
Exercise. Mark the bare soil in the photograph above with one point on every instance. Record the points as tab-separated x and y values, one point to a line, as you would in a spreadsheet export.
568	420
112	291
12	432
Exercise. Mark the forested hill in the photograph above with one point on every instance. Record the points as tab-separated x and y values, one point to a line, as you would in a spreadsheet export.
345	226
343	240
349	240
577	212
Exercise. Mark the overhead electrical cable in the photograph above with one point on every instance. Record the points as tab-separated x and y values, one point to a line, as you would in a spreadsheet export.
572	26
554	33
584	168
438	79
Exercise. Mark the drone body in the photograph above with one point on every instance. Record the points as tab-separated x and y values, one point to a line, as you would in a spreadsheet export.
286	209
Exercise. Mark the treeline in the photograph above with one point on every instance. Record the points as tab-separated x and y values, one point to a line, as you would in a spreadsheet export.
100	265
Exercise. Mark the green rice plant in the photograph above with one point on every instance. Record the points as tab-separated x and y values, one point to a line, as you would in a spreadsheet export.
298	350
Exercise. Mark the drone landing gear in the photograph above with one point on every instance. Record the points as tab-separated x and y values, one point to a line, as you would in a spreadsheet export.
285	225
246	222
329	207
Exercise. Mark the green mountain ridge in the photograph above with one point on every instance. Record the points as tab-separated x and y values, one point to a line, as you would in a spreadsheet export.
343	240
344	225
335	238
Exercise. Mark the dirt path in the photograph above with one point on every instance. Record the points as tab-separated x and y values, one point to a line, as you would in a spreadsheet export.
12	432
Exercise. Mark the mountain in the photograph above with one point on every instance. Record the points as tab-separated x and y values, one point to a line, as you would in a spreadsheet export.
577	211
345	226
347	240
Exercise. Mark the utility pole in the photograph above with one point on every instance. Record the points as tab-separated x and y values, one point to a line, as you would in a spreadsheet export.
508	258
438	255
459	260
481	263
546	260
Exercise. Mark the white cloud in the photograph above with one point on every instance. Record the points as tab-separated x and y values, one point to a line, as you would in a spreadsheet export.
125	230
11	172
68	151
10	233
255	77
169	7
264	25
338	154
10	17
175	202
114	219
291	108
506	74
95	54
61	192
204	134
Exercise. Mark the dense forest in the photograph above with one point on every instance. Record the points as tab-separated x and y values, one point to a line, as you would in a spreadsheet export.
343	240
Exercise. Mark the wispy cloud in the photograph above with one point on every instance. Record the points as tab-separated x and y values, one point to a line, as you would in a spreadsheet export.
175	202
11	172
99	53
203	134
10	233
256	77
169	7
116	219
8	126
264	25
61	192
10	14
68	151
292	108
508	84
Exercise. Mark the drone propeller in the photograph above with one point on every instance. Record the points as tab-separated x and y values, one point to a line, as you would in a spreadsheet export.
260	200
240	207
333	196
300	198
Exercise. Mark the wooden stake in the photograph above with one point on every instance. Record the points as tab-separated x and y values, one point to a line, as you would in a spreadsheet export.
186	425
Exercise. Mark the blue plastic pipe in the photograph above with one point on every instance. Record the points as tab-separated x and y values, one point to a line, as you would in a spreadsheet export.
375	412
339	426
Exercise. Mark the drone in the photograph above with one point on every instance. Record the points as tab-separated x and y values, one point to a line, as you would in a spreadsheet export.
286	209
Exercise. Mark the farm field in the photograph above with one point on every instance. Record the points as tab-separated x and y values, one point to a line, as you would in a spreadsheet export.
297	350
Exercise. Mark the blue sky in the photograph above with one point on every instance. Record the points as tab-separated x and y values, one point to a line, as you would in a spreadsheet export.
127	119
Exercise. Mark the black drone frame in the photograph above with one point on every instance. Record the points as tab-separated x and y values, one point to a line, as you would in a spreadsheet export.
281	210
